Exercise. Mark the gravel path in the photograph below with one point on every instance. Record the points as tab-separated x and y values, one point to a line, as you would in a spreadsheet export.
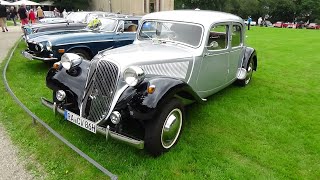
11	168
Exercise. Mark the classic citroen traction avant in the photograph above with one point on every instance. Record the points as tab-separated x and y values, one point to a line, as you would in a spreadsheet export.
137	93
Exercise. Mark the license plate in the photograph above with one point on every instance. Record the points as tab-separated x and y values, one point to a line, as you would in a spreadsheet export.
27	55
80	121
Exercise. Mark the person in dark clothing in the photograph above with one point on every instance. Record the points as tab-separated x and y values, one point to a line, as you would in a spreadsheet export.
3	18
13	14
249	22
23	15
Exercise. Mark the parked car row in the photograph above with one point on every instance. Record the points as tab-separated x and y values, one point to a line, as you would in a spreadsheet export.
298	25
130	78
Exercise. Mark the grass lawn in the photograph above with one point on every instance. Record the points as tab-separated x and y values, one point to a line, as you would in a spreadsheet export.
268	130
10	23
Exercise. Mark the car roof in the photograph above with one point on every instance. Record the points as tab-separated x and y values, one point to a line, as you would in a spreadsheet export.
203	17
122	17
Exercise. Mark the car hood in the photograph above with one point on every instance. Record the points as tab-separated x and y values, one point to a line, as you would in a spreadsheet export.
62	37
58	32
141	54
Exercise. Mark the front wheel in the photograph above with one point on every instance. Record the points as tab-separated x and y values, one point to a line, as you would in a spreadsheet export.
162	133
82	53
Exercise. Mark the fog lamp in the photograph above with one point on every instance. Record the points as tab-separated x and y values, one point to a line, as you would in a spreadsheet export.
60	95
115	117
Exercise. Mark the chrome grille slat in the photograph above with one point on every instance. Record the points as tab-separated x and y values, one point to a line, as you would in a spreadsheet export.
176	69
101	86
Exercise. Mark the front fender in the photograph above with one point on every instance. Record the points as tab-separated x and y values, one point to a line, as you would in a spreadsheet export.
73	85
144	106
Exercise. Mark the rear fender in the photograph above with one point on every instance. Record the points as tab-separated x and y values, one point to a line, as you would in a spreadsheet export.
250	54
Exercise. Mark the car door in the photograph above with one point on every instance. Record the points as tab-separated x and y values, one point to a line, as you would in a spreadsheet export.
214	65
126	32
236	50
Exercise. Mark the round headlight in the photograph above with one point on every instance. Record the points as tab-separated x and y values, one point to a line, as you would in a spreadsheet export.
133	75
115	117
60	95
70	60
49	46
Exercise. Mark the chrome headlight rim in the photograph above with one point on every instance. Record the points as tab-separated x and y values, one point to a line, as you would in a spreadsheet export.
70	60
40	45
49	46
133	75
61	95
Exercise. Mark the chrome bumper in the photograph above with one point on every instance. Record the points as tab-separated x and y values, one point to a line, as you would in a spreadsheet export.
30	56
139	144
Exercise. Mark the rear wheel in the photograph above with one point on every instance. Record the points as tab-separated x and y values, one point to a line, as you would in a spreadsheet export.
244	82
163	133
82	53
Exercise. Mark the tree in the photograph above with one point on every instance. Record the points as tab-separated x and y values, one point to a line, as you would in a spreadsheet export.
278	10
71	4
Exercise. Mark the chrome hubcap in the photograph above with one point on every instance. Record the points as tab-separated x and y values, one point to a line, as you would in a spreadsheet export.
171	128
249	73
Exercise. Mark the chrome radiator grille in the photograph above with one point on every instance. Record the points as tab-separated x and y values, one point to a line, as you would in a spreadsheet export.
32	46
101	88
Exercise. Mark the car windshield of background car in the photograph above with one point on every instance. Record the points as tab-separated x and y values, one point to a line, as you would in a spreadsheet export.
108	25
189	34
77	17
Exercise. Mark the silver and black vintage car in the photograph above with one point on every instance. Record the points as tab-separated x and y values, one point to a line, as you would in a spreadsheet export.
137	93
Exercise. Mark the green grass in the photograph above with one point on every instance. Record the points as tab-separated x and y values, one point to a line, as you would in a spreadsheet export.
268	130
10	23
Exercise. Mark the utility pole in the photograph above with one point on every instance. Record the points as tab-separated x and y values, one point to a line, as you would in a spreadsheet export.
110	5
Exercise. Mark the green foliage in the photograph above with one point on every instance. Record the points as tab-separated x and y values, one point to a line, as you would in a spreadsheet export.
278	10
72	4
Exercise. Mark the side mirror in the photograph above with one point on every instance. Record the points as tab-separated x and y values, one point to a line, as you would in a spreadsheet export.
213	45
120	30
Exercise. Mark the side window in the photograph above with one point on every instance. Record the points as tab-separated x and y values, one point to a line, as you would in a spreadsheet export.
130	25
236	36
218	37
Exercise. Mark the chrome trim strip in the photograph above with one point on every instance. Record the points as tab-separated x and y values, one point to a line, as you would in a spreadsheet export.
139	144
82	42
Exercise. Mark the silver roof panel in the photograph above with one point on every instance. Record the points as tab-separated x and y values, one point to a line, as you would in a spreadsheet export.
206	18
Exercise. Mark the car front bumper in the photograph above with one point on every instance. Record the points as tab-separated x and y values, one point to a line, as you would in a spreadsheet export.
30	55
139	144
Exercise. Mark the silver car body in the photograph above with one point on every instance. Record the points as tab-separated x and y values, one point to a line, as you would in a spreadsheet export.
204	70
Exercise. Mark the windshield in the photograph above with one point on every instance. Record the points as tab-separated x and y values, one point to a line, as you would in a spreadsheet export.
102	24
77	17
177	32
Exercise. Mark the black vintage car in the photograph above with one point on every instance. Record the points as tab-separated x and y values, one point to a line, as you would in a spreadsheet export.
137	93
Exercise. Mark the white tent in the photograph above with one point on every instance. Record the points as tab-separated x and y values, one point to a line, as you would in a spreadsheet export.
5	3
26	2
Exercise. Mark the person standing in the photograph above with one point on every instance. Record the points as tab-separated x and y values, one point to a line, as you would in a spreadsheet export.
64	14
23	14
32	16
13	14
56	12
40	13
249	22
260	21
3	18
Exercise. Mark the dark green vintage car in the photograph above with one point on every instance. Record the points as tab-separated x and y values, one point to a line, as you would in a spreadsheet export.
108	34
